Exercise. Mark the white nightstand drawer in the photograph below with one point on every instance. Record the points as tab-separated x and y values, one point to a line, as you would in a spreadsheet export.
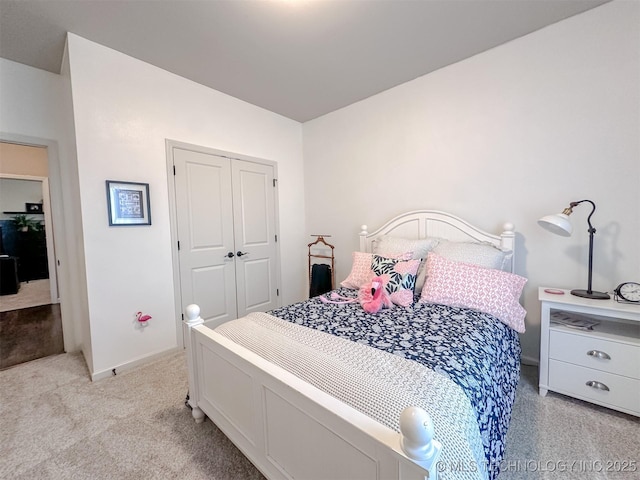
592	352
614	390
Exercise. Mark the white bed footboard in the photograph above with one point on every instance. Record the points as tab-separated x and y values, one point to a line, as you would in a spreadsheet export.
290	429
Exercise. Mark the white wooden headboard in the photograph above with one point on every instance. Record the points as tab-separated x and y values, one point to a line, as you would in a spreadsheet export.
421	224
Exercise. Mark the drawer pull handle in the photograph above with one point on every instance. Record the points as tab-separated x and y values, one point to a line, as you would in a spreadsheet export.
598	354
598	385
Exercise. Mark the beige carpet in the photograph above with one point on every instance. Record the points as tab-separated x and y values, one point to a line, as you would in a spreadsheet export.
31	294
56	424
559	437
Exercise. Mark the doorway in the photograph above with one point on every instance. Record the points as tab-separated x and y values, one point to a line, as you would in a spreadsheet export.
30	319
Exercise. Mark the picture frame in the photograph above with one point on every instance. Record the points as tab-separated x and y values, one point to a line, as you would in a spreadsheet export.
128	203
33	207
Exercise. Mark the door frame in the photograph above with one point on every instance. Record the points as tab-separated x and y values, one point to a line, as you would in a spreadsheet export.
56	225
48	230
173	219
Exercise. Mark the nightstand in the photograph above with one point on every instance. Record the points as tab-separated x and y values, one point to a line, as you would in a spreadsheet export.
599	365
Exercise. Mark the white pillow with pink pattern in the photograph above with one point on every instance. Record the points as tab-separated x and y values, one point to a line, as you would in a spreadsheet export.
488	290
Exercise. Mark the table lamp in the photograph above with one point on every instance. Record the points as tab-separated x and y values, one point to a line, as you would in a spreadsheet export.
559	224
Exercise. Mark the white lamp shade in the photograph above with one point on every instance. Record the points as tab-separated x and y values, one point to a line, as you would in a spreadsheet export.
558	224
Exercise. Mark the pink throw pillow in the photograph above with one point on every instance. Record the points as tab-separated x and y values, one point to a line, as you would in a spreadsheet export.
361	271
488	290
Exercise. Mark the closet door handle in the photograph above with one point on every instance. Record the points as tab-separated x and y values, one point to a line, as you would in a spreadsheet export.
229	255
598	354
597	385
240	254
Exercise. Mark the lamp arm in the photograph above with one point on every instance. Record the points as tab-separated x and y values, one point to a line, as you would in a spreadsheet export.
591	232
593	209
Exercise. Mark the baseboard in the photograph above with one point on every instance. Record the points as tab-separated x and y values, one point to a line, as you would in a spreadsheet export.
132	364
530	361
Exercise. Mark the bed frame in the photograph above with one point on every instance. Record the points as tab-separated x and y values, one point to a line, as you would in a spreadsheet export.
291	429
432	223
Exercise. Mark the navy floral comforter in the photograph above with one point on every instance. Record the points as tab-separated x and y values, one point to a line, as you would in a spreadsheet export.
474	349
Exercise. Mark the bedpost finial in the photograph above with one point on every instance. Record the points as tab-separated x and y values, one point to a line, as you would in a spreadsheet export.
417	432
509	227
363	230
193	314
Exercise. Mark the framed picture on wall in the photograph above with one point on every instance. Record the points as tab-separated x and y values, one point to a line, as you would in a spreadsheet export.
33	207
128	203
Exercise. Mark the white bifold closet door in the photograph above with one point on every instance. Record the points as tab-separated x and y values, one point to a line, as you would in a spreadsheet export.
227	235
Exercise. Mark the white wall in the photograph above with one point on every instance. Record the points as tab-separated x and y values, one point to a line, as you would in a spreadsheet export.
511	134
15	193
35	109
124	111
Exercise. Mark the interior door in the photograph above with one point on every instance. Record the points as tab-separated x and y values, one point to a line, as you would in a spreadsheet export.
205	234
255	236
226	219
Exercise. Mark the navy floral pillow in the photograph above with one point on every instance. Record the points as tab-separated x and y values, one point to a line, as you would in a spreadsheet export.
399	277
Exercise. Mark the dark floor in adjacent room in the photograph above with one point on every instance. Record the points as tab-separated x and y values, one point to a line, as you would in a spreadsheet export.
30	333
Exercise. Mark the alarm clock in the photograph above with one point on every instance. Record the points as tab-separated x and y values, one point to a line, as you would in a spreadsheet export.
628	292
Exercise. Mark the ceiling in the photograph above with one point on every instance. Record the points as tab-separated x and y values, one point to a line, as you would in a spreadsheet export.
298	58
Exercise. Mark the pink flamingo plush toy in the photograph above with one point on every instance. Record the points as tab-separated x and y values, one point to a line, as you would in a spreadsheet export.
373	296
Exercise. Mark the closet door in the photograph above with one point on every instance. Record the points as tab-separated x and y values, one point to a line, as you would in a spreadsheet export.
226	218
255	236
205	234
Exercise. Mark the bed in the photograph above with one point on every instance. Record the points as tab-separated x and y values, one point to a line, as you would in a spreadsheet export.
322	389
